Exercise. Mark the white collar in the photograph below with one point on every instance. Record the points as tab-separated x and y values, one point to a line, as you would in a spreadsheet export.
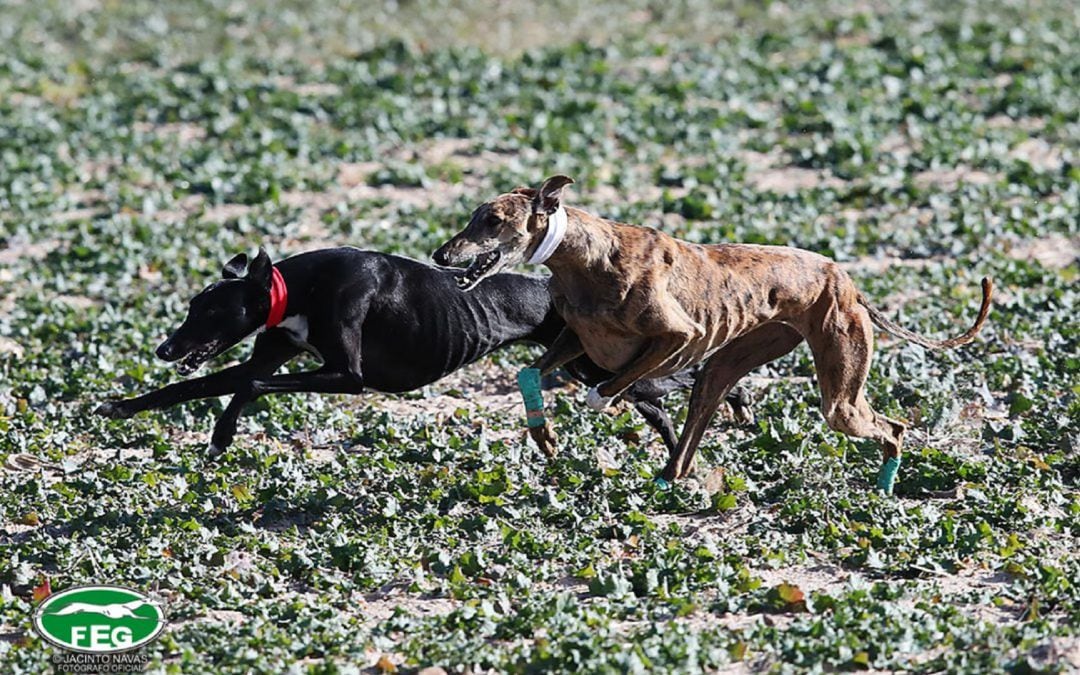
556	230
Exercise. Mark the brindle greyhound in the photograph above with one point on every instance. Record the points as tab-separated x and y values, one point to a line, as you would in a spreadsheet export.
643	304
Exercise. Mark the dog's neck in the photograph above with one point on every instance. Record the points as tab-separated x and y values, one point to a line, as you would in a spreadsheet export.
553	236
279	298
586	247
518	307
295	284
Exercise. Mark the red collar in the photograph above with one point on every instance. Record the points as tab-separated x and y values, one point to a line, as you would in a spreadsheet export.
279	298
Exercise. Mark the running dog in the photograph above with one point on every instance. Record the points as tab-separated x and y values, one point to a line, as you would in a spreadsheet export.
376	321
642	304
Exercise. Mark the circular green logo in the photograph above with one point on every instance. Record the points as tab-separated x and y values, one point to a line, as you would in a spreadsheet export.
99	619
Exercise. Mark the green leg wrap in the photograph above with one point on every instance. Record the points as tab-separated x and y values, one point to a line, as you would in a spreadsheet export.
661	484
887	476
529	384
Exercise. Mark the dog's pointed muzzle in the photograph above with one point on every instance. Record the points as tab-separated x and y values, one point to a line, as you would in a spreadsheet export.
442	255
167	351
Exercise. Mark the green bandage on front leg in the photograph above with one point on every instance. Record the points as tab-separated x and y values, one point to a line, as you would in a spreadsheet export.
886	478
529	384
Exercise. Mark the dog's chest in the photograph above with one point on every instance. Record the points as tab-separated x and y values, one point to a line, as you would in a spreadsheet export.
603	337
610	353
601	325
297	329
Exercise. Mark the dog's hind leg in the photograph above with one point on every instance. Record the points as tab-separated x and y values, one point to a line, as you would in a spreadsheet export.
721	372
842	347
659	420
742	410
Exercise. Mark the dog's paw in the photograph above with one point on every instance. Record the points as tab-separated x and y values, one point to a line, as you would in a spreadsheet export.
596	401
116	410
219	443
743	415
546	439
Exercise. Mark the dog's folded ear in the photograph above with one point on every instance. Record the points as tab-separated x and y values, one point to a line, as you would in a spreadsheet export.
259	271
522	190
550	194
234	269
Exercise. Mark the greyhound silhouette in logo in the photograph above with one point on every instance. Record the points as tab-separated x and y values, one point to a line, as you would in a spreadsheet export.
114	611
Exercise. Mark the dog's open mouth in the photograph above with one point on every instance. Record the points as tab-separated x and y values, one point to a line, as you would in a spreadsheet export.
190	363
482	266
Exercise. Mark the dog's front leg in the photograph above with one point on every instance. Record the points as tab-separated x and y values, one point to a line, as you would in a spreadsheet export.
270	352
563	350
207	386
269	361
225	427
721	372
659	355
341	374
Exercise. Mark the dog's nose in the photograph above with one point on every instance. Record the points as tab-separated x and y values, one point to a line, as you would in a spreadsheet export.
440	256
165	351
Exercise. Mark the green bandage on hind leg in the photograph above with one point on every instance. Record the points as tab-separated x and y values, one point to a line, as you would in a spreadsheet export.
529	384
886	478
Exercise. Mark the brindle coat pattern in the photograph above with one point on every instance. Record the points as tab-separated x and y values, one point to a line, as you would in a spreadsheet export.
643	304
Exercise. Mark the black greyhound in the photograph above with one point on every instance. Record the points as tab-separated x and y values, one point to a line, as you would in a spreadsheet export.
376	321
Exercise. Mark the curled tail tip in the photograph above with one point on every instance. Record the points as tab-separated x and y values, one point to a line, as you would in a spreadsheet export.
969	336
984	312
988	295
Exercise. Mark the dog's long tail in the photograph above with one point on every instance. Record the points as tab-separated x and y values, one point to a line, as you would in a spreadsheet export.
884	323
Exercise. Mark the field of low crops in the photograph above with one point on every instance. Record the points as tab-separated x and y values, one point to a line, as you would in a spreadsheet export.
142	144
